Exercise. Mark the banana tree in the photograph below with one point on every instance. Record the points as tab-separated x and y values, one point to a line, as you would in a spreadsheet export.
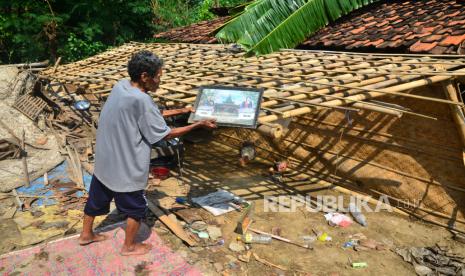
265	26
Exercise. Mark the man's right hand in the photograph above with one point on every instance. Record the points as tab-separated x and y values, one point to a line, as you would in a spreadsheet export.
209	123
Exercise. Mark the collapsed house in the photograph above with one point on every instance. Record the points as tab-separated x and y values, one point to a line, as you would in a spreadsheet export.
381	124
417	161
376	124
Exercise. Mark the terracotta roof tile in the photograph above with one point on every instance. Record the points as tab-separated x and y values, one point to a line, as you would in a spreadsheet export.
426	26
452	40
438	50
358	30
411	25
195	33
422	47
432	38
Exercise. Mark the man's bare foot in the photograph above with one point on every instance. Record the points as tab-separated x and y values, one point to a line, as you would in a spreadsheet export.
85	240
136	249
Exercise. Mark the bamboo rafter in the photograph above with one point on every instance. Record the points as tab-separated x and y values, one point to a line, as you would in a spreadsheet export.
295	82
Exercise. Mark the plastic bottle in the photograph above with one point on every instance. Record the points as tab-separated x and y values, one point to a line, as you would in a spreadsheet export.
255	238
357	214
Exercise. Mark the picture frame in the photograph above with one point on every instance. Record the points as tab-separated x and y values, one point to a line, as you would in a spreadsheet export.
229	106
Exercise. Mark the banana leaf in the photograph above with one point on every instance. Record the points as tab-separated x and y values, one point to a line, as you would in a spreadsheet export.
269	25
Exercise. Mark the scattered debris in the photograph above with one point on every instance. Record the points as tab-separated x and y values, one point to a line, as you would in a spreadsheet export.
279	238
434	260
10	213
247	153
246	257
265	262
254	238
245	220
220	202
337	219
276	231
9	149
366	244
459	237
203	235
236	246
218	267
214	232
141	268
323	236
357	214
42	255
359	265
37	213
172	225
54	224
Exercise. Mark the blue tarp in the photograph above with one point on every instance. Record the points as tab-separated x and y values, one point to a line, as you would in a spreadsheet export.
38	188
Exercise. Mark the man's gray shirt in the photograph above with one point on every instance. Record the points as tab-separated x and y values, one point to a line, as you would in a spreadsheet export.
130	122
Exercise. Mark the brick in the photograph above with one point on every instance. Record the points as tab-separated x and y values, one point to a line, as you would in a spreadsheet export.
422	47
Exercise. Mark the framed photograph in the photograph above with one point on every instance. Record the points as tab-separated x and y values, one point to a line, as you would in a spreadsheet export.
230	106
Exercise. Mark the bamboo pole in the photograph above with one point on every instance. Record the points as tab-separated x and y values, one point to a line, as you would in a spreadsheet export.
390	90
457	112
375	71
429	61
372	93
375	54
363	105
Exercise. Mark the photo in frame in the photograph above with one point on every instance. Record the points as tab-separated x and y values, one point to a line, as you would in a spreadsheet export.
230	106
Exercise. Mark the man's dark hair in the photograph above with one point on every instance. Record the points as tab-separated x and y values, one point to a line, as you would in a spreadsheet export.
144	61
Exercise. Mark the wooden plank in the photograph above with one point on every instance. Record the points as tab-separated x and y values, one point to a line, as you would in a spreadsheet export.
172	225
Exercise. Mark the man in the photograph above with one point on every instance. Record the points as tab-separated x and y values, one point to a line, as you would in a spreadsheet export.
129	124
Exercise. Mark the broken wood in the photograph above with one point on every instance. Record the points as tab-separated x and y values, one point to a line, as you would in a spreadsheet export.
457	112
279	238
27	181
245	220
265	262
18	201
75	166
172	225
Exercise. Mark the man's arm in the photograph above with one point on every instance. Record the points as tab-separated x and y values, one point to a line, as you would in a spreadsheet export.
174	112
179	131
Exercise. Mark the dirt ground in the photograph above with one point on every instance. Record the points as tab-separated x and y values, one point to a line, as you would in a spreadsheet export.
212	166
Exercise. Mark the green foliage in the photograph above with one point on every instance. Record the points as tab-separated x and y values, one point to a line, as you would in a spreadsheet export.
77	48
269	25
32	30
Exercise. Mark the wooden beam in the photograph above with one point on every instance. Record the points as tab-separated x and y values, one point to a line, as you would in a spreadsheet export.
172	225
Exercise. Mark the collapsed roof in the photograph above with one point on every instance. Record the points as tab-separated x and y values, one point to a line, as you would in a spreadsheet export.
295	82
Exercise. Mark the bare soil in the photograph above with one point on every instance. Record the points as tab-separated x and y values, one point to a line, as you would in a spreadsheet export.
213	166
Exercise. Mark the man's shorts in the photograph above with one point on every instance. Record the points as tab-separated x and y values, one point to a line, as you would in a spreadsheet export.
132	204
